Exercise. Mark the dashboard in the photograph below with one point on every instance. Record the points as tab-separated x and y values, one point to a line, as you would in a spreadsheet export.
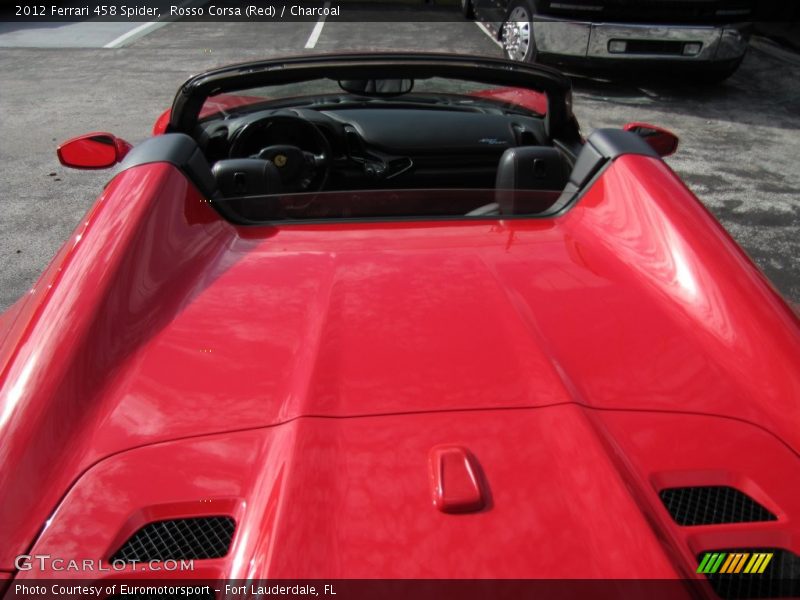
351	145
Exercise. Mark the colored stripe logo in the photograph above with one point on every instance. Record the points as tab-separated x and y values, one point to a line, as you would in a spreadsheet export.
734	562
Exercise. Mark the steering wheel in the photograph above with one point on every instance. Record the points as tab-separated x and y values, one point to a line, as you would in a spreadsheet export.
294	145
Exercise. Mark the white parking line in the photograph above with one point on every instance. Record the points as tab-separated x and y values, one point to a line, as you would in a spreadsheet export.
312	39
145	28
485	30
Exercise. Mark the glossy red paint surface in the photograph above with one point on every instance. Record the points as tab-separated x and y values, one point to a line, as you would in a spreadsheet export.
530	99
456	483
576	497
661	450
359	489
160	126
97	150
300	375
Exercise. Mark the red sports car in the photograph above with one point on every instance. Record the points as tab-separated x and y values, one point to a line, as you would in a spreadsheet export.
392	316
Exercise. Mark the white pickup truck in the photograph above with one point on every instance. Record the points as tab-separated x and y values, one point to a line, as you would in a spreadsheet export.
708	37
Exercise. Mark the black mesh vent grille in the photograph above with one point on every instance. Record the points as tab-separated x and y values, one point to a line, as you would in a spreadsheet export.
712	505
176	539
780	579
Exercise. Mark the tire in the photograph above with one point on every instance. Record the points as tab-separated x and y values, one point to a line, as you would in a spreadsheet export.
517	35
468	9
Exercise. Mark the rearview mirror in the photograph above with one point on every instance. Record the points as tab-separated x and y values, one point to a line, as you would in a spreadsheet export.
662	141
377	87
92	151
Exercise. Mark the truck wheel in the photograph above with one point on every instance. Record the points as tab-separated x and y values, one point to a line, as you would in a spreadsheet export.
517	35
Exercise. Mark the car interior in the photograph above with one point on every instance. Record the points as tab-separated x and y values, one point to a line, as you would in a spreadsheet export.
384	136
420	155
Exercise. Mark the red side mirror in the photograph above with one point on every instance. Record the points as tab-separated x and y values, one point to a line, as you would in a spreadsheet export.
92	151
662	141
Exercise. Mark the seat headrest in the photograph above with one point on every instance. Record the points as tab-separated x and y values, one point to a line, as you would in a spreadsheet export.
528	168
239	177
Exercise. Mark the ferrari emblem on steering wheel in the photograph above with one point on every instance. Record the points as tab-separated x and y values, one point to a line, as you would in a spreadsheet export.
279	160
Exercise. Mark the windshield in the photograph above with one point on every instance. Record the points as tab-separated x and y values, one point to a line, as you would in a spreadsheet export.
381	137
434	90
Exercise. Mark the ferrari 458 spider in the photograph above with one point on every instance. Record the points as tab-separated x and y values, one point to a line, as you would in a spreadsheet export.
391	315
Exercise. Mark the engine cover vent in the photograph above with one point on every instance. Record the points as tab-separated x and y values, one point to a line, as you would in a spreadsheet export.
780	577
712	505
176	539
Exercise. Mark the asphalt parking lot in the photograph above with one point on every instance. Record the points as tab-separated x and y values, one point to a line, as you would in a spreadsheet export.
740	150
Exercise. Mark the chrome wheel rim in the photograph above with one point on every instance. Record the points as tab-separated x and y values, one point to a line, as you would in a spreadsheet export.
517	34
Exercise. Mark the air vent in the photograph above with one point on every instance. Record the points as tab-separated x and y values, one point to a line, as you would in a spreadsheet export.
176	539
523	136
779	579
712	505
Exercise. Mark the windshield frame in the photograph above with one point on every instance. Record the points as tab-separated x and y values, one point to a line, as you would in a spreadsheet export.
559	121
